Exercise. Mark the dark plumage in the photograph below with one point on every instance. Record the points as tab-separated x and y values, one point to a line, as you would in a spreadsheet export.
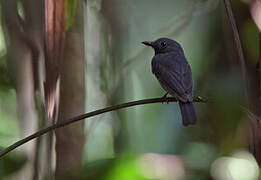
172	70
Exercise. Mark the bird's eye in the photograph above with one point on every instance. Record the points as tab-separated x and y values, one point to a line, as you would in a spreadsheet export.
163	44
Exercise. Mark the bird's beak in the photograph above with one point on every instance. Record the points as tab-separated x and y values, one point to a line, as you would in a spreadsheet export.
148	43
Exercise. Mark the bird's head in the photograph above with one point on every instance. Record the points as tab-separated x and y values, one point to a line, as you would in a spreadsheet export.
164	45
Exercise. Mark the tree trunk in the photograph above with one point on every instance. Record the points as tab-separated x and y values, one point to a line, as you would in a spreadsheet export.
23	39
70	139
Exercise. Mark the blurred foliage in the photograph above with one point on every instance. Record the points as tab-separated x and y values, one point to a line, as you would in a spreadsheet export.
9	129
71	6
249	34
125	168
10	164
20	9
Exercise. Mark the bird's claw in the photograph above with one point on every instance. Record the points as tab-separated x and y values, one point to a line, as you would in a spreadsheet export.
165	99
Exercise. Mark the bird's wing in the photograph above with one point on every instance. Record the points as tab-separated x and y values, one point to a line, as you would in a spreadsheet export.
175	74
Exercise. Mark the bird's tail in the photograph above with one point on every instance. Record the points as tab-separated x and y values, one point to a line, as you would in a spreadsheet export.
188	113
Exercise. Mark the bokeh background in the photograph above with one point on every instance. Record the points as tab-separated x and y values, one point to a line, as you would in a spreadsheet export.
148	141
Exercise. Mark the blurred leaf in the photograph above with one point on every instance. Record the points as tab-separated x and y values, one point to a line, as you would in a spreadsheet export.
125	169
121	168
250	36
71	6
11	163
20	9
9	129
6	83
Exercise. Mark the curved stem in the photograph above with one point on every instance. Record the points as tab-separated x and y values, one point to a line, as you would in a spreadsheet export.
88	115
238	47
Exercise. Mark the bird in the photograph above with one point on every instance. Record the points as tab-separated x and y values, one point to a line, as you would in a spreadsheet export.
174	74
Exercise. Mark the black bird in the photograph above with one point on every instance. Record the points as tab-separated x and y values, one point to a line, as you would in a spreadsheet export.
173	71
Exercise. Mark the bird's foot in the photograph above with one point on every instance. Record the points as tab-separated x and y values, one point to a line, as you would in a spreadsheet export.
165	98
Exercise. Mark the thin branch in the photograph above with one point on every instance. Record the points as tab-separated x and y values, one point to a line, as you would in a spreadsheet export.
88	115
238	47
